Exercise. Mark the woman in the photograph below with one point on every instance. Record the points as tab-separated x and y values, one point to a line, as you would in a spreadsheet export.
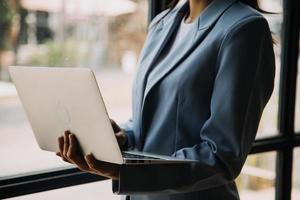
205	74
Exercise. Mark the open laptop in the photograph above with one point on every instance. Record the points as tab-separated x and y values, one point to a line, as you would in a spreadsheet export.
59	99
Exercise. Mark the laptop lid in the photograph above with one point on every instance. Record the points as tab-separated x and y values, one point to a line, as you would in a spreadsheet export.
59	99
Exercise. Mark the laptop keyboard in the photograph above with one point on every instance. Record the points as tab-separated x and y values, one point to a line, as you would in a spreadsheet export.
134	156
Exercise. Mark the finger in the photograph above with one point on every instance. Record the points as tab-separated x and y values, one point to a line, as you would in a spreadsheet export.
73	145
121	138
66	144
64	159
74	154
95	164
93	167
61	148
90	161
115	126
61	145
108	170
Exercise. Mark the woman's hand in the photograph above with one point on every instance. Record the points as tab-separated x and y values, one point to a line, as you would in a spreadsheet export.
69	151
119	133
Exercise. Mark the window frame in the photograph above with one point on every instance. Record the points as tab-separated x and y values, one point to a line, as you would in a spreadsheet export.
44	181
284	143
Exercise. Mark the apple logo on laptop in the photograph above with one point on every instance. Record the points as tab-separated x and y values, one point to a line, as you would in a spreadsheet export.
62	113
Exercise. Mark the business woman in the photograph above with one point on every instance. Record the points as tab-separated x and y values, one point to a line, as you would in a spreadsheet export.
205	74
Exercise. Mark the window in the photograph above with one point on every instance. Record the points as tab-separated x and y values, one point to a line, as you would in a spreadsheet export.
91	191
296	175
109	42
271	171
106	36
268	124
257	180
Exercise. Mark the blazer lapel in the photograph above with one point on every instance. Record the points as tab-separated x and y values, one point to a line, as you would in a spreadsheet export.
169	29
162	34
175	61
205	21
204	24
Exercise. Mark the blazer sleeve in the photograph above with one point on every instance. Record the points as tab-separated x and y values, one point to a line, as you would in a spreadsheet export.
244	81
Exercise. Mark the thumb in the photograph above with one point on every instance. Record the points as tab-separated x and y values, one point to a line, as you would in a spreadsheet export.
121	138
115	126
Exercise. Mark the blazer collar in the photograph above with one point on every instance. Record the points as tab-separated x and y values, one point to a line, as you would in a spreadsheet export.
208	16
204	22
211	13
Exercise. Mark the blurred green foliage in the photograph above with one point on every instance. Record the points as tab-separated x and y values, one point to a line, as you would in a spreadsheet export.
6	17
64	54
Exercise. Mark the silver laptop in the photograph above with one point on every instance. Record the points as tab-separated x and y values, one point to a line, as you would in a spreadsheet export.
59	99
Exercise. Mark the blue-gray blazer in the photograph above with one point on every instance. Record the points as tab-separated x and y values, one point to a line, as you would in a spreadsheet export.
205	104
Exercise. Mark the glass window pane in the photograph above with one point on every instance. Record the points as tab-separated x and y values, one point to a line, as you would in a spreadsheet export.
296	175
268	123
91	191
106	36
257	179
